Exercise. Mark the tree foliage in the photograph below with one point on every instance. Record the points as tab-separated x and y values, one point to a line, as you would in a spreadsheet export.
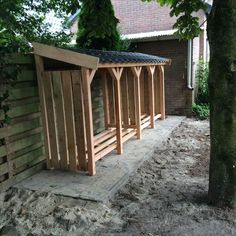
23	21
187	24
97	27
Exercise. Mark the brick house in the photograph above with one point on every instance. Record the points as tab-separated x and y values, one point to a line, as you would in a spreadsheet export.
149	27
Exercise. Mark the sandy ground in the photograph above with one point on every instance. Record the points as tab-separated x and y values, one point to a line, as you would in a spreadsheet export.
166	196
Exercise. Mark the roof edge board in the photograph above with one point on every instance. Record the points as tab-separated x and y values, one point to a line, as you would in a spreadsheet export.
67	56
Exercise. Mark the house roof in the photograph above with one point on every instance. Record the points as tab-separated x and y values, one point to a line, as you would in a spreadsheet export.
96	58
164	34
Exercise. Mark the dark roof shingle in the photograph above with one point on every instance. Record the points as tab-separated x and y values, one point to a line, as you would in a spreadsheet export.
121	57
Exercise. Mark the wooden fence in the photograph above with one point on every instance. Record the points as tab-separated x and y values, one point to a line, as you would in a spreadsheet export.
22	150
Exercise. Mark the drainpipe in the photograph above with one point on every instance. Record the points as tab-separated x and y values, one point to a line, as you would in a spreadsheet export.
190	65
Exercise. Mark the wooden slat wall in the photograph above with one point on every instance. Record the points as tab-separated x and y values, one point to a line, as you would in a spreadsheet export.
23	153
65	114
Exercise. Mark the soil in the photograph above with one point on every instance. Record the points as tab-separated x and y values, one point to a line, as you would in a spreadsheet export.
166	196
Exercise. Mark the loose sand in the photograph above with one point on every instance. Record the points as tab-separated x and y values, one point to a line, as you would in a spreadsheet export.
166	196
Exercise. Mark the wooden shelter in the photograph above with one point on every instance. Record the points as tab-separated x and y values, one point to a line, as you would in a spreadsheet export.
133	98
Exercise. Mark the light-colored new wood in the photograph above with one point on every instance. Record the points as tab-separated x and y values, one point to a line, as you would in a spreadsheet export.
116	74
86	79
125	98
105	98
60	119
79	119
162	92
40	75
136	72
68	56
69	115
51	120
151	70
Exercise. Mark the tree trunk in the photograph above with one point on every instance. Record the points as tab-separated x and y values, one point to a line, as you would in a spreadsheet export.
222	88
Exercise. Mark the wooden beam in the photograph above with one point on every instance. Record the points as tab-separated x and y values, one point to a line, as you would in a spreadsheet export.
60	119
162	92
70	123
79	120
50	107
89	120
64	55
116	75
151	71
40	75
136	72
105	99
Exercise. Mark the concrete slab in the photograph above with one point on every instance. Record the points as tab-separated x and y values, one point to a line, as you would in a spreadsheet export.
113	171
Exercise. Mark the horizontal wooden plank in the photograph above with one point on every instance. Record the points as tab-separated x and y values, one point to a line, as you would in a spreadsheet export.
27	158
26	150
22	110
3	151
25	134
23	143
29	172
105	151
21	59
27	75
19	128
29	164
26	117
24	101
20	93
3	168
23	175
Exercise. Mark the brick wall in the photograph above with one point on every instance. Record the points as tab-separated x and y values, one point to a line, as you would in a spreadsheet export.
178	97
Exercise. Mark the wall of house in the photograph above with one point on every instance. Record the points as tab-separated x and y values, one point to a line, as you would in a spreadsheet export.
178	97
136	16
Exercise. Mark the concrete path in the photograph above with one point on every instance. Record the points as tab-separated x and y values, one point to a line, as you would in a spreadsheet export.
112	172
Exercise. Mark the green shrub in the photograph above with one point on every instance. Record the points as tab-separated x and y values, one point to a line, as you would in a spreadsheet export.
202	74
201	111
201	105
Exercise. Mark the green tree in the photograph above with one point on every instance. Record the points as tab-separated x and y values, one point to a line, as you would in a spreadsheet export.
23	21
97	27
222	89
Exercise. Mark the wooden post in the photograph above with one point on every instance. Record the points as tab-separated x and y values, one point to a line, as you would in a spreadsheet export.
116	75
151	70
137	71
162	92
69	116
40	74
87	77
105	99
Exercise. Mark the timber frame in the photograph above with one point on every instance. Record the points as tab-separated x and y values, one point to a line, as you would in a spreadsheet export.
133	99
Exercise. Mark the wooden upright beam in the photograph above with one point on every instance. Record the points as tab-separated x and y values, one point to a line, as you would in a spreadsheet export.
105	99
87	77
136	72
162	92
151	70
40	77
116	75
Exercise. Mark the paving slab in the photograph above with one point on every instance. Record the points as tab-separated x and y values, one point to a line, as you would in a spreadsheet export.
112	172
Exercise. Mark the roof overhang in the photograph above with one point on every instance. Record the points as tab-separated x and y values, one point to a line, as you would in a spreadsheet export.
92	61
67	56
151	36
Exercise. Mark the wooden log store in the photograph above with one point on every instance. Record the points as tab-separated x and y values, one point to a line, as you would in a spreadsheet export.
133	98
